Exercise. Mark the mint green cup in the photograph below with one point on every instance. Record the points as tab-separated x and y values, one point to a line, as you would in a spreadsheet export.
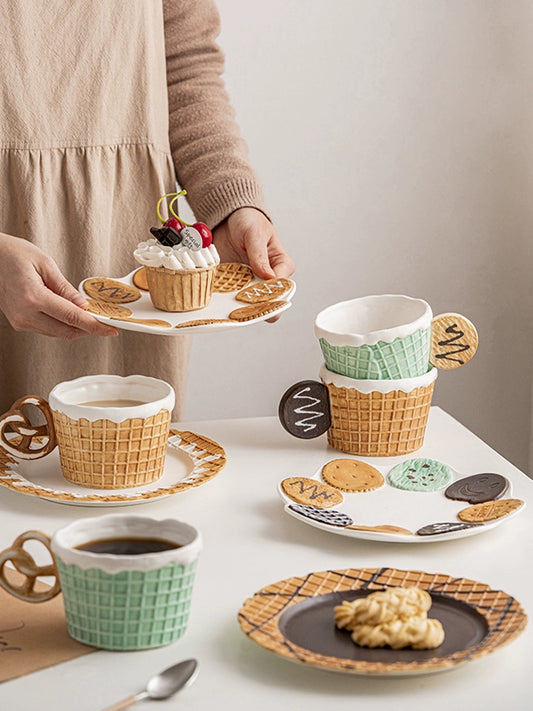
383	337
120	602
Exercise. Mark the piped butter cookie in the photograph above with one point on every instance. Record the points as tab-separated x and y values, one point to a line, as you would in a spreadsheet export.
352	475
309	491
420	475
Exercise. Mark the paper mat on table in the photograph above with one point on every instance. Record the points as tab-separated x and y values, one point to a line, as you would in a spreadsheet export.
33	635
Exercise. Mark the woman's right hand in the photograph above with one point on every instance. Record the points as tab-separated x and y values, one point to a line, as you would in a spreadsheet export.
35	296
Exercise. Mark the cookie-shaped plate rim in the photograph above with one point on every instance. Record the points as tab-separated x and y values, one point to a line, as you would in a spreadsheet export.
473	497
260	615
247	295
254	311
508	508
443	470
107	289
358	489
324	492
232	276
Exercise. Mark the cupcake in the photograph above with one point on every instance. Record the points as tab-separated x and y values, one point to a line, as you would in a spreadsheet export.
180	263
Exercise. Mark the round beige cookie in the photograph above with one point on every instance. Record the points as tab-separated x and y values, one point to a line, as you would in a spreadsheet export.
267	290
103	308
140	280
490	510
248	313
352	475
111	291
311	492
232	276
454	341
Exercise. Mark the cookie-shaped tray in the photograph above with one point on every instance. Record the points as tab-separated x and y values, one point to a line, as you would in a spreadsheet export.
125	303
388	513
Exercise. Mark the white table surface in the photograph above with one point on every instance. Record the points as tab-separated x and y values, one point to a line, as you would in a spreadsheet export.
249	542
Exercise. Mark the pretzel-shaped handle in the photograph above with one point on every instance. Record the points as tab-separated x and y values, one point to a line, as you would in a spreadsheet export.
25	564
18	422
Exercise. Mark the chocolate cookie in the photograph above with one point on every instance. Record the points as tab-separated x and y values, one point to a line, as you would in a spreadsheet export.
434	529
331	517
478	488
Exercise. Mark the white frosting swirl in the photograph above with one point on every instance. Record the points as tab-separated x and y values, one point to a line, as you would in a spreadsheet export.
153	254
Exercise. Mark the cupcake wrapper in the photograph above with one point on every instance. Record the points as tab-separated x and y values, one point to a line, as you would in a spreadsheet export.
180	290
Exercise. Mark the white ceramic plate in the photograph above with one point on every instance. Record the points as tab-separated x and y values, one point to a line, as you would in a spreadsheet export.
191	461
389	506
294	618
220	306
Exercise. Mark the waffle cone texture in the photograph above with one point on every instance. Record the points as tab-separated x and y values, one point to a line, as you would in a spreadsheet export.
112	455
127	610
181	289
378	424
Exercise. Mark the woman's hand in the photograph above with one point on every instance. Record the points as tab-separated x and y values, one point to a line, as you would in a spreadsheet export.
248	236
35	296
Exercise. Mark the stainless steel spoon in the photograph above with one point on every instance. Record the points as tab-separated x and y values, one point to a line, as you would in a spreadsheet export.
163	685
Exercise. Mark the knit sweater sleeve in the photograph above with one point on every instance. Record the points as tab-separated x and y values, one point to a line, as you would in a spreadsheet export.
210	156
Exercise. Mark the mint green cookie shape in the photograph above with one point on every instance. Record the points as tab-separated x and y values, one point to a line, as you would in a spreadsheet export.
420	475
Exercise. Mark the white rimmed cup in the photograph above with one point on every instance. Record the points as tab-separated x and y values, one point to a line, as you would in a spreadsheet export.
377	337
120	602
111	431
373	418
379	418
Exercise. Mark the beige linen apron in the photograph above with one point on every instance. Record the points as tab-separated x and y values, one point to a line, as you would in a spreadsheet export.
84	156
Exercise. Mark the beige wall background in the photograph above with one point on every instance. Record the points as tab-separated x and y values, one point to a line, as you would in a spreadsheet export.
394	142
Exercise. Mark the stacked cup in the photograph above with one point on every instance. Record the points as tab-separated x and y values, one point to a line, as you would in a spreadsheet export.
377	372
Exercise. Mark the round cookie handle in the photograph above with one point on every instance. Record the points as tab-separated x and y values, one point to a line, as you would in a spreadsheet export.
24	563
17	421
454	341
304	409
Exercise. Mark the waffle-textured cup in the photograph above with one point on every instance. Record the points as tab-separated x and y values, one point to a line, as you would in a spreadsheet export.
378	418
126	602
180	289
112	455
376	337
112	447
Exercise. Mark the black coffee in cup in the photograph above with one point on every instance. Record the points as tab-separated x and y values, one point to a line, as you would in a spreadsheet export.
128	546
